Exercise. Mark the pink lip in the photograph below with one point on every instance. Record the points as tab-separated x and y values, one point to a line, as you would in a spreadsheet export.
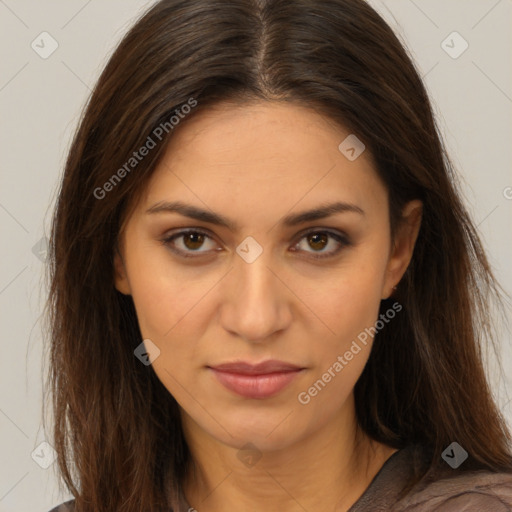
256	381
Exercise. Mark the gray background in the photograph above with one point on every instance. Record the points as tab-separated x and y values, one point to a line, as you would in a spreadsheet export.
41	99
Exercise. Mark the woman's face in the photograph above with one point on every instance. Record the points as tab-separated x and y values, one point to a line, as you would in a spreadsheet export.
243	273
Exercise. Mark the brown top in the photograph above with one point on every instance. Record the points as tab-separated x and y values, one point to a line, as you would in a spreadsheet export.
448	490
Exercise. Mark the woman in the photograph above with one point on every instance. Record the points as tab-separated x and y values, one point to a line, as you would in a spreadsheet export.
265	290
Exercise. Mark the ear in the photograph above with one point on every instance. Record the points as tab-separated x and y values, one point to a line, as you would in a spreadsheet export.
402	245
120	277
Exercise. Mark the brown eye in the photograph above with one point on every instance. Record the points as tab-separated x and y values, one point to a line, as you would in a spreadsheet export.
321	244
318	241
190	243
193	241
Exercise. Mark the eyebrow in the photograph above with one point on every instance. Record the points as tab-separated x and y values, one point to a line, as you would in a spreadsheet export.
293	219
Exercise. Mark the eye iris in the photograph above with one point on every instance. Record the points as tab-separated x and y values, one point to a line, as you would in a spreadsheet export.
318	240
193	240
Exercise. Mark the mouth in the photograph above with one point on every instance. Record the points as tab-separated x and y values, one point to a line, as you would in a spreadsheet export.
256	381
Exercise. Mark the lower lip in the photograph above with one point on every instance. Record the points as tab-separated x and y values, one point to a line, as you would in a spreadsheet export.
255	386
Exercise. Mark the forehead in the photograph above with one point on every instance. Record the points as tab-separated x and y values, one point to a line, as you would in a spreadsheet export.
262	155
256	131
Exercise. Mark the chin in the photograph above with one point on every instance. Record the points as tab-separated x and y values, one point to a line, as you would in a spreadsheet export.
268	432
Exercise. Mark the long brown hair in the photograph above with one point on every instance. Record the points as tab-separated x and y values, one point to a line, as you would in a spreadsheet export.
117	431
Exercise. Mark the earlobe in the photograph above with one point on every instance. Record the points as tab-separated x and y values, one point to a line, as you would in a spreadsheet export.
120	278
403	246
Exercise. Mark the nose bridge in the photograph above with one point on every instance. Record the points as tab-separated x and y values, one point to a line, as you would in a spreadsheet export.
256	304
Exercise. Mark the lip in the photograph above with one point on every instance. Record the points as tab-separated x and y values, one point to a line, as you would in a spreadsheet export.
256	381
269	366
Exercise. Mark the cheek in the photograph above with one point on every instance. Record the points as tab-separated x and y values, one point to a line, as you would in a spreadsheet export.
346	299
170	311
350	312
173	307
165	296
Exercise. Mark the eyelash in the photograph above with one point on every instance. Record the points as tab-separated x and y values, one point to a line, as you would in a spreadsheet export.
342	239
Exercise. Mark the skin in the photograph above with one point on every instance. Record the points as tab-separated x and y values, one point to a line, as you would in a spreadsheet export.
255	164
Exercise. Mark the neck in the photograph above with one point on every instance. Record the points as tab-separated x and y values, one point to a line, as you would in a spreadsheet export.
327	470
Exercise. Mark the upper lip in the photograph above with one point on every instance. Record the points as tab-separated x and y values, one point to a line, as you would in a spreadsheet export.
270	366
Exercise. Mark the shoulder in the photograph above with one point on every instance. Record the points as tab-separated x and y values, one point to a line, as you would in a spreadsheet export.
475	491
68	506
441	489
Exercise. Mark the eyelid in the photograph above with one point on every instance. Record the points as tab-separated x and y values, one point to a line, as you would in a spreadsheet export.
320	229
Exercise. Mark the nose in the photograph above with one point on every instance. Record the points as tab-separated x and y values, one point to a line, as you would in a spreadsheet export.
256	302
